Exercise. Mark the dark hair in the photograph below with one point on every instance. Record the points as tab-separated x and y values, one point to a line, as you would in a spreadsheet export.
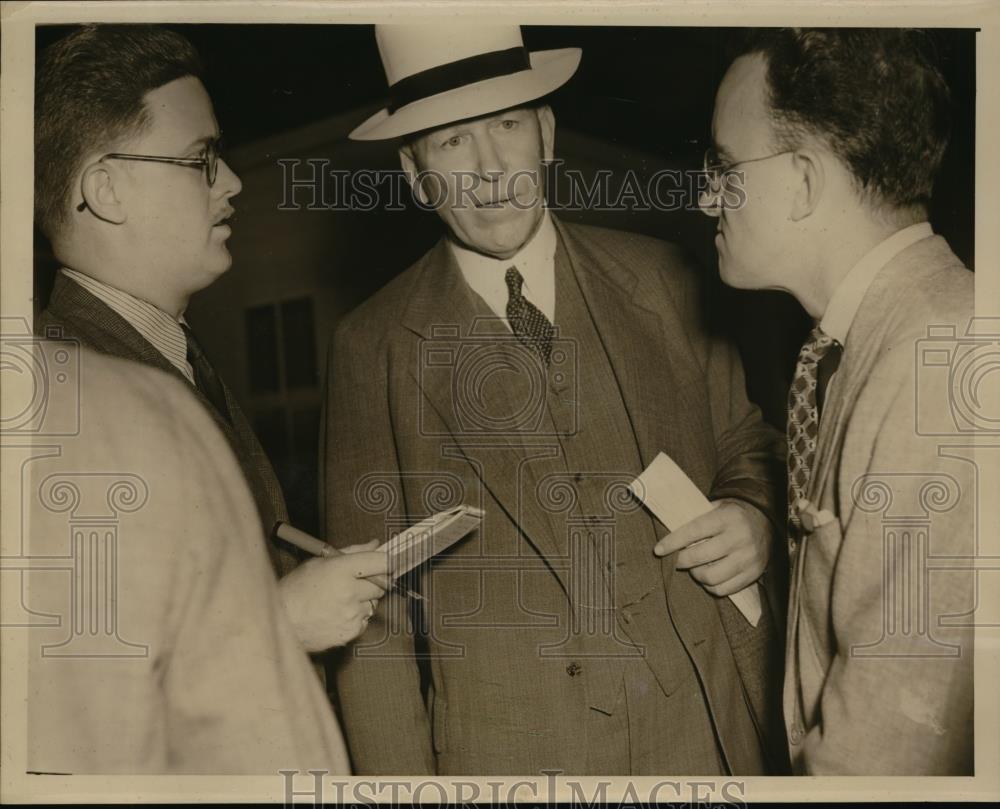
874	95
90	90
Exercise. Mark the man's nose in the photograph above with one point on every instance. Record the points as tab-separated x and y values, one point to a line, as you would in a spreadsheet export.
490	163
227	184
710	202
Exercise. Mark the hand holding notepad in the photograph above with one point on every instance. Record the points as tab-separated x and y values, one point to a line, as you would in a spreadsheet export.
406	550
674	500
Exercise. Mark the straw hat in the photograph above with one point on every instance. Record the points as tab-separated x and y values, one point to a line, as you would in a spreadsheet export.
439	74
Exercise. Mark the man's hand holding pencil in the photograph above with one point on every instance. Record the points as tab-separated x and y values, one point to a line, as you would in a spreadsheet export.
330	599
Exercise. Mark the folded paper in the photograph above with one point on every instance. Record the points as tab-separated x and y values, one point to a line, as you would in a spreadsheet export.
674	500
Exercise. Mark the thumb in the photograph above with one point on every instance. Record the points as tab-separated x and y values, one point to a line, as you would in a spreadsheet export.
368	563
364	546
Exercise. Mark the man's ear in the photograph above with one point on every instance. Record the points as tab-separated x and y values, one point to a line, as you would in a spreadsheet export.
409	163
97	184
811	178
547	123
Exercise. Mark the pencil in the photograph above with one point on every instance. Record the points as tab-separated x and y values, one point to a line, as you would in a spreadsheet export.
302	540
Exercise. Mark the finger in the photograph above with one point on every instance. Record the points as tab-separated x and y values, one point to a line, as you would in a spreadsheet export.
368	563
360	548
382	582
673	542
704	551
730	586
715	573
702	527
365	590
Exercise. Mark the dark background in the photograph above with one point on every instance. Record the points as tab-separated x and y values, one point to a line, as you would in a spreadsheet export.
642	100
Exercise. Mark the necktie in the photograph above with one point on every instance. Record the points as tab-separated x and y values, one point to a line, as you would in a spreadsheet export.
526	320
803	419
205	377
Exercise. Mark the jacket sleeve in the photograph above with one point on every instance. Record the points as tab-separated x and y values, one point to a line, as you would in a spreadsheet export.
377	677
897	696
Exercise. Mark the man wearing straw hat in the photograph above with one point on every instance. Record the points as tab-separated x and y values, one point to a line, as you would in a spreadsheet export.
534	368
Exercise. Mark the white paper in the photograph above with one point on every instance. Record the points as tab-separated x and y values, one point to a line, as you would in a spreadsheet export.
420	542
674	499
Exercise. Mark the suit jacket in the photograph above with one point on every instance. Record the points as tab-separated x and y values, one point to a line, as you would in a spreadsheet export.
75	313
879	651
403	438
172	653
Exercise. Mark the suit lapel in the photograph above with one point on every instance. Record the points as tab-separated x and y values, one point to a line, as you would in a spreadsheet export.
102	328
628	332
447	318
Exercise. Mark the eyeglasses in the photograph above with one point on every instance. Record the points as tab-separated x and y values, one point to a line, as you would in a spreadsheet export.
209	161
714	166
716	169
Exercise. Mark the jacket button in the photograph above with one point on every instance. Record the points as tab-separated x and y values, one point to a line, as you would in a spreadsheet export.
573	669
796	735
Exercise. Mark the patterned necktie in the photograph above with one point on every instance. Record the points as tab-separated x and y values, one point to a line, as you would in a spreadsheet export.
205	377
526	320
803	419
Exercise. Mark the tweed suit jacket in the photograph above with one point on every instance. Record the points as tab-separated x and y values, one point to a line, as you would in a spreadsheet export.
75	313
879	649
401	440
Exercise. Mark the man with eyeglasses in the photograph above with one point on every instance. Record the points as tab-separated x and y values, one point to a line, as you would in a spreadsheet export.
827	143
134	198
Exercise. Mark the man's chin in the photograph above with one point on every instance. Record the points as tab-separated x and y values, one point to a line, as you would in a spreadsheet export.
499	245
731	275
220	265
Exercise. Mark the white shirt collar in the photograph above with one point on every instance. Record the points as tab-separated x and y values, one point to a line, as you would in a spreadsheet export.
535	261
847	298
162	330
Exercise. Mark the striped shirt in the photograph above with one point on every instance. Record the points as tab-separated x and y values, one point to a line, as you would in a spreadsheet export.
161	330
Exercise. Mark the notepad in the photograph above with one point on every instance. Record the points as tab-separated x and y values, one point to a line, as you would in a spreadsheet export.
674	500
420	542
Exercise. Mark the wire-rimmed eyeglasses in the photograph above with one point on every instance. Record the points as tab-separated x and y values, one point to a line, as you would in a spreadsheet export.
715	167
715	198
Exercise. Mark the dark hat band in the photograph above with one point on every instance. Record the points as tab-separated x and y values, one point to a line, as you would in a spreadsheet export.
453	75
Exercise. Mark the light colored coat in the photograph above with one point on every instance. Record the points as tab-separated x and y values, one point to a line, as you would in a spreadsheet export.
172	652
879	656
75	313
